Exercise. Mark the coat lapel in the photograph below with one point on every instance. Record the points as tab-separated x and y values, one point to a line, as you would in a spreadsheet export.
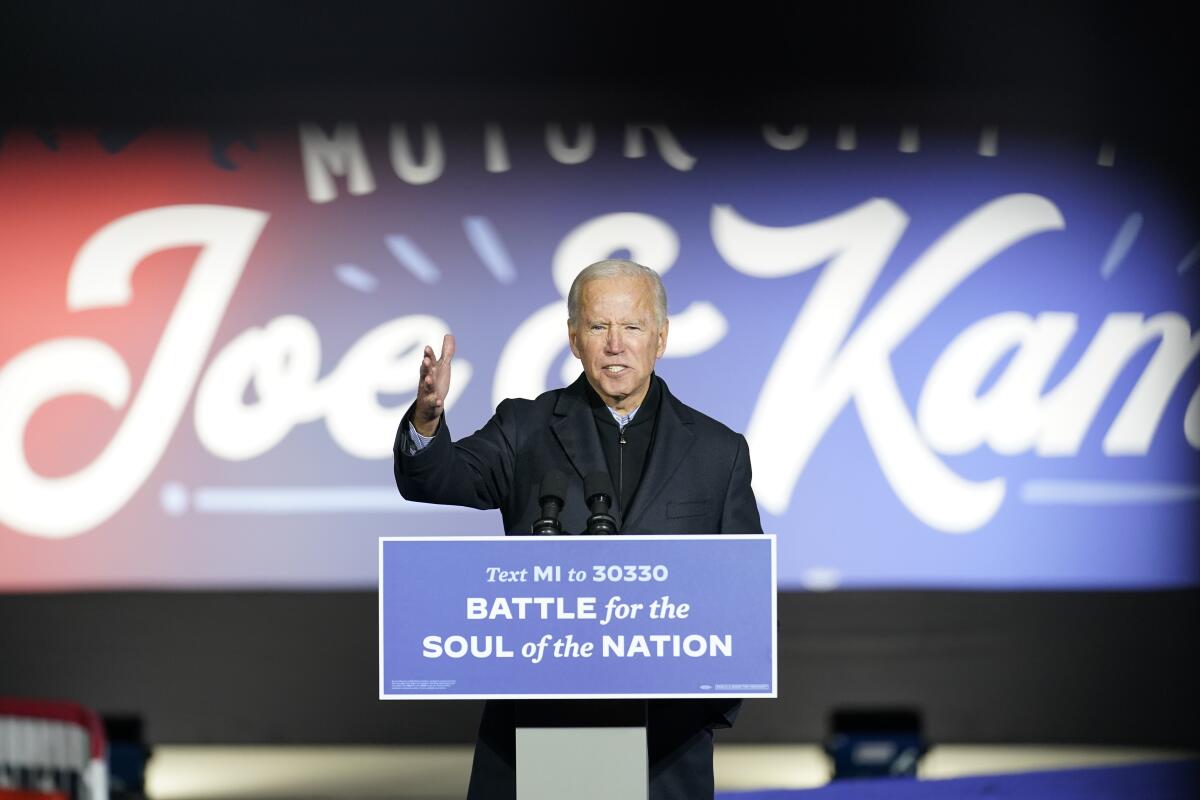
575	428
672	440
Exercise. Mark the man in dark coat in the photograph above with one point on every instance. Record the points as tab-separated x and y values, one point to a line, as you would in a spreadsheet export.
673	470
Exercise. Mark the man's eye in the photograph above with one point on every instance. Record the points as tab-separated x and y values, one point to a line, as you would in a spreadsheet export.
596	328
633	327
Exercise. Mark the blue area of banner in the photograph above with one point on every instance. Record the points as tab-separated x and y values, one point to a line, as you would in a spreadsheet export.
577	616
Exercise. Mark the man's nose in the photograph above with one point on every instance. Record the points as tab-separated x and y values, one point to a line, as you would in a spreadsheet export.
613	342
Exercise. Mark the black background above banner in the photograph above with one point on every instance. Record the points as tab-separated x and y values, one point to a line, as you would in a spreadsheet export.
1063	63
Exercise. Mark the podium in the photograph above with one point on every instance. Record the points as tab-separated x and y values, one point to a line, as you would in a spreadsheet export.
583	750
605	622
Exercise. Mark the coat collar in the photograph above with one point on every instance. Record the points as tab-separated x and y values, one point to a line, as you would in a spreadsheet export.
575	428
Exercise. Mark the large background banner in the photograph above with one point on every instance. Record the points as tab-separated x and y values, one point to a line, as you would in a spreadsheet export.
961	362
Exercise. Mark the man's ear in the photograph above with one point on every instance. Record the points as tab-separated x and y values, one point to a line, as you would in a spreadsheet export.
571	341
662	338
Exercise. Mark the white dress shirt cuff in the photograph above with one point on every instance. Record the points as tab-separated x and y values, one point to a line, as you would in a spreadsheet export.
417	442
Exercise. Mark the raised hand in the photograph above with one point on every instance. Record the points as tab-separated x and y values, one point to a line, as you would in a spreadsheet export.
433	388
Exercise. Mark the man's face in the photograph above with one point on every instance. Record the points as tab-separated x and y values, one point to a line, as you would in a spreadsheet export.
618	338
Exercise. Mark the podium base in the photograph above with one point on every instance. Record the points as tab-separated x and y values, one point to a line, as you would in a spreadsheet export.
582	763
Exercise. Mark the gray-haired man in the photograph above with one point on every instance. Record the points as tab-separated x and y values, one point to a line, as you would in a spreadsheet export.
674	471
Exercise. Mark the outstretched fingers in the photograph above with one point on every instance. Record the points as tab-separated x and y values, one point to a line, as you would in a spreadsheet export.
428	368
434	381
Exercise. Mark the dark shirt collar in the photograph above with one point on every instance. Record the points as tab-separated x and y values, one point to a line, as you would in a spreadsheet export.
645	412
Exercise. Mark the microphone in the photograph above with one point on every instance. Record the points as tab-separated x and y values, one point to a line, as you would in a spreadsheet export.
550	497
597	489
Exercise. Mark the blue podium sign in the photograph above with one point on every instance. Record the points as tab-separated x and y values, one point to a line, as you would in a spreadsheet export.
577	617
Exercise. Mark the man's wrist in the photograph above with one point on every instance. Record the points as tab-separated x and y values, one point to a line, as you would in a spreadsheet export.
416	440
427	429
